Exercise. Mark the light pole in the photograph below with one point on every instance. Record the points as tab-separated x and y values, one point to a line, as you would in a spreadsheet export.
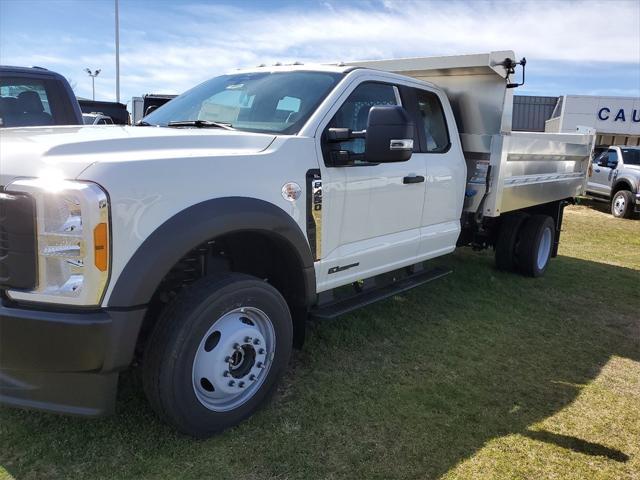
93	76
117	53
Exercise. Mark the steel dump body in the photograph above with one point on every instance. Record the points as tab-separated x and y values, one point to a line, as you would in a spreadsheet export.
506	170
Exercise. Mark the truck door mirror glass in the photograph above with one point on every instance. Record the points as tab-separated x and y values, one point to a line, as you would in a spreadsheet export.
389	136
611	159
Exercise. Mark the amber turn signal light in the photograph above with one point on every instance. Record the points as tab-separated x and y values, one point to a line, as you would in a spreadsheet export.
101	246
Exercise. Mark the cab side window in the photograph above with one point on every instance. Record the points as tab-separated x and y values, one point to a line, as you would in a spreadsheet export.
354	112
434	124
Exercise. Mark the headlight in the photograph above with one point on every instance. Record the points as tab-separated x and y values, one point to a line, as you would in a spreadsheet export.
73	241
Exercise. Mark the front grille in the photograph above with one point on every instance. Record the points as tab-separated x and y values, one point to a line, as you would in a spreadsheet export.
4	241
18	249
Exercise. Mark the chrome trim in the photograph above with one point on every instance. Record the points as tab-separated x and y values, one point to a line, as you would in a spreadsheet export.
316	213
401	144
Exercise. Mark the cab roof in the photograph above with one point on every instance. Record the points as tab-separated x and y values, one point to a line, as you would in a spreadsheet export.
297	67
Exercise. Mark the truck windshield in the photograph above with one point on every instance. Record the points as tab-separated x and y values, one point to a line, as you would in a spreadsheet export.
631	156
258	102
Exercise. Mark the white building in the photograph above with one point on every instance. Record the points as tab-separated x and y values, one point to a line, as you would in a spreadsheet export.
616	119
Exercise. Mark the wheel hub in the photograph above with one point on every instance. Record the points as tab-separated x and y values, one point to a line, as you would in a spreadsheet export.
618	205
233	359
242	361
544	248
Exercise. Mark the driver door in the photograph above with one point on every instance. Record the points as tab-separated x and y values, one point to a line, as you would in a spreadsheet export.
603	171
371	213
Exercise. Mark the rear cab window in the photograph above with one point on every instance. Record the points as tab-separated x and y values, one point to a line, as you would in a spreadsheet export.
432	124
29	101
631	156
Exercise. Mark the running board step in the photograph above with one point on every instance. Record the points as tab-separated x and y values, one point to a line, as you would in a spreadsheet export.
340	307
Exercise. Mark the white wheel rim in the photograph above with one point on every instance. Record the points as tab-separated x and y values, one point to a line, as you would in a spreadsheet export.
619	204
233	359
544	248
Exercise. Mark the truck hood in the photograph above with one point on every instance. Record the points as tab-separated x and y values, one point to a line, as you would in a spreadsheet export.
69	150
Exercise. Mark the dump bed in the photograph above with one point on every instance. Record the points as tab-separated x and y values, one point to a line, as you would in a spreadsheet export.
505	170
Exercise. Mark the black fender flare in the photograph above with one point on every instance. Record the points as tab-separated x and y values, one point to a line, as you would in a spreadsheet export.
625	182
197	224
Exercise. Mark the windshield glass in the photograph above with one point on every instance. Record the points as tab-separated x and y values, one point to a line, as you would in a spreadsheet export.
258	102
631	156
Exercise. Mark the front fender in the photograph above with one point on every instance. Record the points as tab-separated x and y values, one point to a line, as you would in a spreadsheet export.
197	224
625	183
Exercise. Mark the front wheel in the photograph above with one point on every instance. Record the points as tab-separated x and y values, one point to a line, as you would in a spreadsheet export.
622	204
216	353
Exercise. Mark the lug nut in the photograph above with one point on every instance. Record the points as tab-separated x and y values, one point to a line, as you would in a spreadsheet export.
261	351
241	384
260	365
226	373
232	383
247	339
256	341
236	346
227	359
252	377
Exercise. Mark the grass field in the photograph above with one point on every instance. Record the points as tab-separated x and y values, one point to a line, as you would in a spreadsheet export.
480	375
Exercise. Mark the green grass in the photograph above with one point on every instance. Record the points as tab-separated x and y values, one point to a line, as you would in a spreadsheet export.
480	375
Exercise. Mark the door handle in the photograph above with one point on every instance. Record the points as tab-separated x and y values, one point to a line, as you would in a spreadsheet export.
413	179
598	170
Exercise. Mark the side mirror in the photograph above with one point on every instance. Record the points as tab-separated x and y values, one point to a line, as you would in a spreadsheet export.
150	109
389	135
339	135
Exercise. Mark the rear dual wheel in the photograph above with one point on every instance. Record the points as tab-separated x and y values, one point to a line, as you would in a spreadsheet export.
217	353
536	239
525	243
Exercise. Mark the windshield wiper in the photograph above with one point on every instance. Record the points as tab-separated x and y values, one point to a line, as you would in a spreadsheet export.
200	124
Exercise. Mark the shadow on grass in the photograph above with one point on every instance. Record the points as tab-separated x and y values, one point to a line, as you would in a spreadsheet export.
603	206
404	389
577	445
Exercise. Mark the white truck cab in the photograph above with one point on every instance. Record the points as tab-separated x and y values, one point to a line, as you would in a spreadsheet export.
200	242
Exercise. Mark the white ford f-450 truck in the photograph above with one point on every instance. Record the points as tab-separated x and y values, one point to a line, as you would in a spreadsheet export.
198	243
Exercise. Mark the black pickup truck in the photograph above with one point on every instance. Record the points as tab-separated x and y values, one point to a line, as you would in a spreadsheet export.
31	96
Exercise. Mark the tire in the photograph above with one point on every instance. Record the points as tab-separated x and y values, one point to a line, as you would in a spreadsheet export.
505	249
217	353
622	204
536	239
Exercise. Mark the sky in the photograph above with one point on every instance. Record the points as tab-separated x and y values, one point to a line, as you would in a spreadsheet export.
589	47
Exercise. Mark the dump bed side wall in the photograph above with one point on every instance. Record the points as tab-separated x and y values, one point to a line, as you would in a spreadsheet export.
535	168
